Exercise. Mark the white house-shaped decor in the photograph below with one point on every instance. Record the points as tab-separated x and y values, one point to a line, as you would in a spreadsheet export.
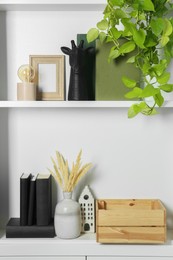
87	204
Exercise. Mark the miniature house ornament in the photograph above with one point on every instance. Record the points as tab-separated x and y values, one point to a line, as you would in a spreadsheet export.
87	204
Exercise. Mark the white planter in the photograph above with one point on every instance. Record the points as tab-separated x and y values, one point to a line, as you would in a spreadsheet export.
67	219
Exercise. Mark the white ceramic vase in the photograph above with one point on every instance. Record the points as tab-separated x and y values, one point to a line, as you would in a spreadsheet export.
67	219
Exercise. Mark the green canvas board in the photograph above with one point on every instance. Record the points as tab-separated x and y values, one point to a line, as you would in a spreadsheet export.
109	85
90	65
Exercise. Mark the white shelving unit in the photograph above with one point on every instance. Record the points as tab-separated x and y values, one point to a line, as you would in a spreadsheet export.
131	158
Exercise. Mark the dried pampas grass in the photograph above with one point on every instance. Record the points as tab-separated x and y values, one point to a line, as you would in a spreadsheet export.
68	179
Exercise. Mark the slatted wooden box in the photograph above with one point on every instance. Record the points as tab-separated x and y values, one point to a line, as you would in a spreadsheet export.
130	221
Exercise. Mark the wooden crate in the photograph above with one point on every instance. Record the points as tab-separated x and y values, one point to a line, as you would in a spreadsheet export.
130	221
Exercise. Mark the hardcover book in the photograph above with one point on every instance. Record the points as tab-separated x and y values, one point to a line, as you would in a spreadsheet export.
43	199
32	202
24	198
15	230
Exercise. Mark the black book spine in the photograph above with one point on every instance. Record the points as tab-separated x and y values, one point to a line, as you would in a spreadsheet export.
32	202
24	198
15	230
43	200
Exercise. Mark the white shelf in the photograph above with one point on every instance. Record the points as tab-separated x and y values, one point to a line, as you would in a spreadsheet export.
52	5
65	104
82	246
72	104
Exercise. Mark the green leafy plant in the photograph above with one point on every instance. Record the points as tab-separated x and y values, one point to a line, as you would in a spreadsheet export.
147	27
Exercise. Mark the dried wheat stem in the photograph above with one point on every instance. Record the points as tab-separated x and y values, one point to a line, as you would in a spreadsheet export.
66	179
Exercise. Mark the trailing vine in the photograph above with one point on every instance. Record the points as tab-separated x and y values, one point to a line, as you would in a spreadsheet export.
147	27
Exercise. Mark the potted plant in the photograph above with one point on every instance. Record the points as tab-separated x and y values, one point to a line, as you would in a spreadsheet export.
147	27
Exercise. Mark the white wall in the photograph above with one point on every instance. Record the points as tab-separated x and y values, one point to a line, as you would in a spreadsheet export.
42	33
131	158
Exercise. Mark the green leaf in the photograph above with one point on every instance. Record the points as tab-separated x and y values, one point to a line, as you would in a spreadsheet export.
148	111
133	110
164	78
92	34
135	93
116	2
114	53
159	68
127	47
115	33
167	28
119	13
150	40
107	11
159	99
102	36
130	83
102	25
147	5
139	37
131	59
167	87
157	26
149	91
128	25
146	67
164	40
108	39
141	108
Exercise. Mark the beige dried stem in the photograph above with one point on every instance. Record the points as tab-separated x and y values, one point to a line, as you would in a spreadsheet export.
68	179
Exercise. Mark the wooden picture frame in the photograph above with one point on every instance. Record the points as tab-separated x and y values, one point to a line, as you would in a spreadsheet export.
49	79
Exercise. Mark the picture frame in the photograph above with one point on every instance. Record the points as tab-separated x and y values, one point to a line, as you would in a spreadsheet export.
49	79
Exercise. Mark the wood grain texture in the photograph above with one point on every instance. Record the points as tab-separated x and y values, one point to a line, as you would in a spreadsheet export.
149	235
130	221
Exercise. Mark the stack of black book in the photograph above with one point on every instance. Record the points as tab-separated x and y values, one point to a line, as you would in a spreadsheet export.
35	209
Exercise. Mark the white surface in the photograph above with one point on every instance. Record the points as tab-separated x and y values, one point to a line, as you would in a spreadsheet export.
44	258
46	33
131	158
46	5
47	77
58	2
73	104
85	245
126	258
